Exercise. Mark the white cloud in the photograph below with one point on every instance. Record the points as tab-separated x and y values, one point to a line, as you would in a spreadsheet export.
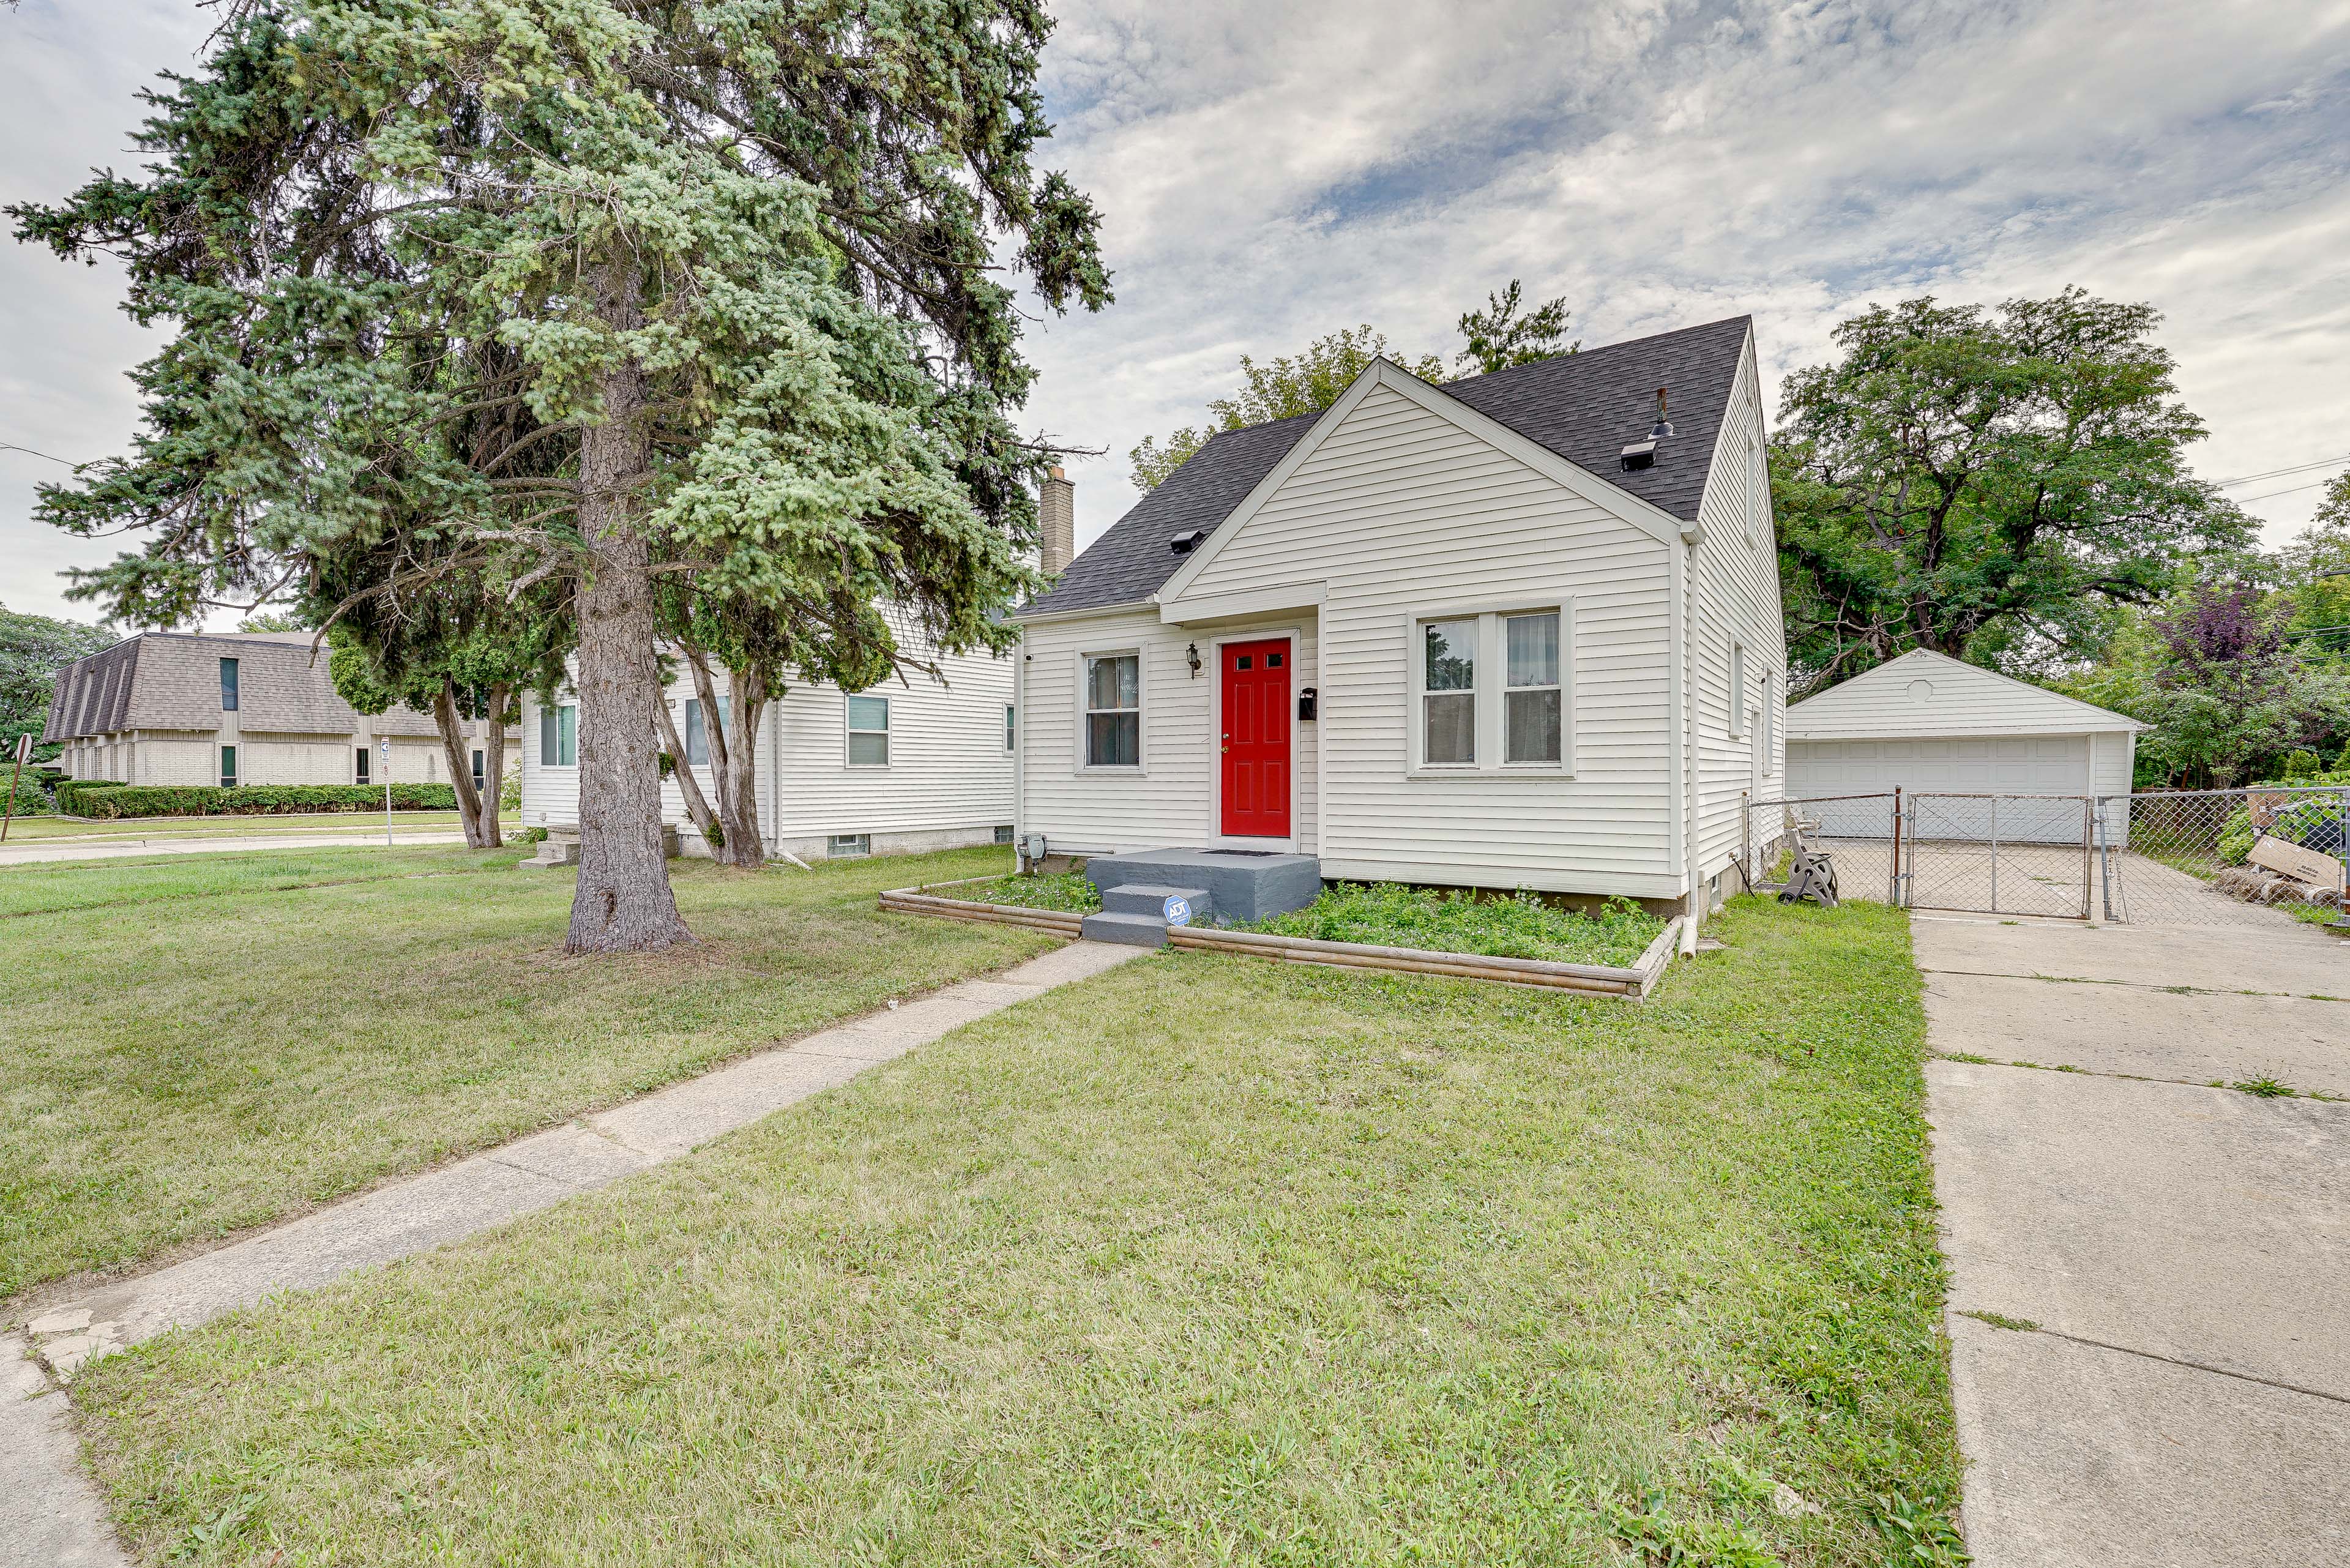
1273	170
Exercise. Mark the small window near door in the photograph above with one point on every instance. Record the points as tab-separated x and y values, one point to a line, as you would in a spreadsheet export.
228	767
228	685
1114	710
1529	699
868	732
848	845
1449	693
1011	730
363	764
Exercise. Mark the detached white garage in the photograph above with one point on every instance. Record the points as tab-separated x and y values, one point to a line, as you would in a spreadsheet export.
1928	723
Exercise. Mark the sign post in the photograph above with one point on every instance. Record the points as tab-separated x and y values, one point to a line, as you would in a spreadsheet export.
24	749
383	756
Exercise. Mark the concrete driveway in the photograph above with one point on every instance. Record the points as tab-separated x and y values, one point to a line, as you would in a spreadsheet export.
2150	1301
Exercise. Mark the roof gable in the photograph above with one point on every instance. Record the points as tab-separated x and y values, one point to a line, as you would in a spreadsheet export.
1582	408
1958	698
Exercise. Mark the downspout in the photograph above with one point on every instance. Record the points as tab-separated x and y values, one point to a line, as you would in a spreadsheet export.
1020	753
1693	910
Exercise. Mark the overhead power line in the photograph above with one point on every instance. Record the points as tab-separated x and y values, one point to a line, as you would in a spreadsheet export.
2281	473
11	446
2289	490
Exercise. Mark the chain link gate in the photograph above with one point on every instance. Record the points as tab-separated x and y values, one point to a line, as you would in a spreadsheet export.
2181	858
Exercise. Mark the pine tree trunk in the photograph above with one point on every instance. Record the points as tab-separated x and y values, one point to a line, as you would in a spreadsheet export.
623	902
738	783
697	805
493	766
461	774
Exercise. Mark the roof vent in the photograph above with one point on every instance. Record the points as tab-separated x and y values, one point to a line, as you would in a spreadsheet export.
1642	455
1184	544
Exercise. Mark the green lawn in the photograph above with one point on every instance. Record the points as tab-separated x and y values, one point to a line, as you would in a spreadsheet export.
1205	1260
41	829
196	1044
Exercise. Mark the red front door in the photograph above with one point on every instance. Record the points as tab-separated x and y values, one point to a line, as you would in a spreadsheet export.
1256	738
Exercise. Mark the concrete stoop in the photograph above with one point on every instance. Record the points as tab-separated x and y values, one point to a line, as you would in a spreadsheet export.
1137	914
1235	884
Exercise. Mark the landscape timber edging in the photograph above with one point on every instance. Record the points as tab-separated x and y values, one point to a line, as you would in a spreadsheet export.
1591	980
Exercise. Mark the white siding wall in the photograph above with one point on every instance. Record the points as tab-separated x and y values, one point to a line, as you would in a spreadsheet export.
1170	800
1737	582
1400	513
949	771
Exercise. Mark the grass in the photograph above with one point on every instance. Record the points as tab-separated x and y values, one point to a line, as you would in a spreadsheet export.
1069	891
1204	1260
37	829
196	1045
1390	914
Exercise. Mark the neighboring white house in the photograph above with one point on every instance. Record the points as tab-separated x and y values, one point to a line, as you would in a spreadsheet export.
906	766
1481	634
1928	723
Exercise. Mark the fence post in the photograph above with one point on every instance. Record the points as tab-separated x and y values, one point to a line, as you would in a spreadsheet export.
2342	854
1893	892
2105	857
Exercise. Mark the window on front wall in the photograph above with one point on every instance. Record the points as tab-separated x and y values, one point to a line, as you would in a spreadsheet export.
1011	730
558	736
228	685
228	767
362	765
1114	710
1530	705
478	761
1447	700
868	732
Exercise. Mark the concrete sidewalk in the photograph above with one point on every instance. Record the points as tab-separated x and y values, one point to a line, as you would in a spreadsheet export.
48	1512
2150	1302
42	852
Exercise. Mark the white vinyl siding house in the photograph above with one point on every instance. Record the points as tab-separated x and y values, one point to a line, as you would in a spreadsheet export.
913	765
1519	670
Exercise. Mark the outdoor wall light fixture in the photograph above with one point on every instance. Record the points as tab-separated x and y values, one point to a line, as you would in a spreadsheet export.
1192	658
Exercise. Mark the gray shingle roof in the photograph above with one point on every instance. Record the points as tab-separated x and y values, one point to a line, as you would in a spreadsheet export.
1583	407
170	681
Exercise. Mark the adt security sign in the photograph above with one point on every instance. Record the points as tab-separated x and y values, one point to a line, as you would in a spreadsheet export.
1178	911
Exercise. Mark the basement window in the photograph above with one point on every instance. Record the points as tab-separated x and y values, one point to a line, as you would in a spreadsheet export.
848	845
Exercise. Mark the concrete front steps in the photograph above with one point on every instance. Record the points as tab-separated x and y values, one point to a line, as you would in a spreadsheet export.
1137	914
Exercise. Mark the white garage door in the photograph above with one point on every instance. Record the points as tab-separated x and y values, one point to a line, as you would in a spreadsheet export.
2012	766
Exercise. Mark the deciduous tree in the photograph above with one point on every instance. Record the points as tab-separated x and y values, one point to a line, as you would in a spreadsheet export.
1957	469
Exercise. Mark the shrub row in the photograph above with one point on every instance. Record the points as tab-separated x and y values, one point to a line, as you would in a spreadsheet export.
102	798
32	800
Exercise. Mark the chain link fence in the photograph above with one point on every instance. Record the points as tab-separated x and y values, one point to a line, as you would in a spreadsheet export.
2187	857
2222	857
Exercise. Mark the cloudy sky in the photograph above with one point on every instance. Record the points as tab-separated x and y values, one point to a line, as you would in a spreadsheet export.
1272	169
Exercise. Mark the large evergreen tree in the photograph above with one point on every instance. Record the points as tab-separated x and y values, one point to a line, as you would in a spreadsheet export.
727	273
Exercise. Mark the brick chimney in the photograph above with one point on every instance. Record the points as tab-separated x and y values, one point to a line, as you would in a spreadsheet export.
1056	523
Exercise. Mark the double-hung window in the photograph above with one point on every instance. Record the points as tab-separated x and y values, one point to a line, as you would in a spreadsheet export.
697	732
1447	693
228	767
363	764
1114	710
479	762
1490	691
228	685
868	732
1011	730
558	736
